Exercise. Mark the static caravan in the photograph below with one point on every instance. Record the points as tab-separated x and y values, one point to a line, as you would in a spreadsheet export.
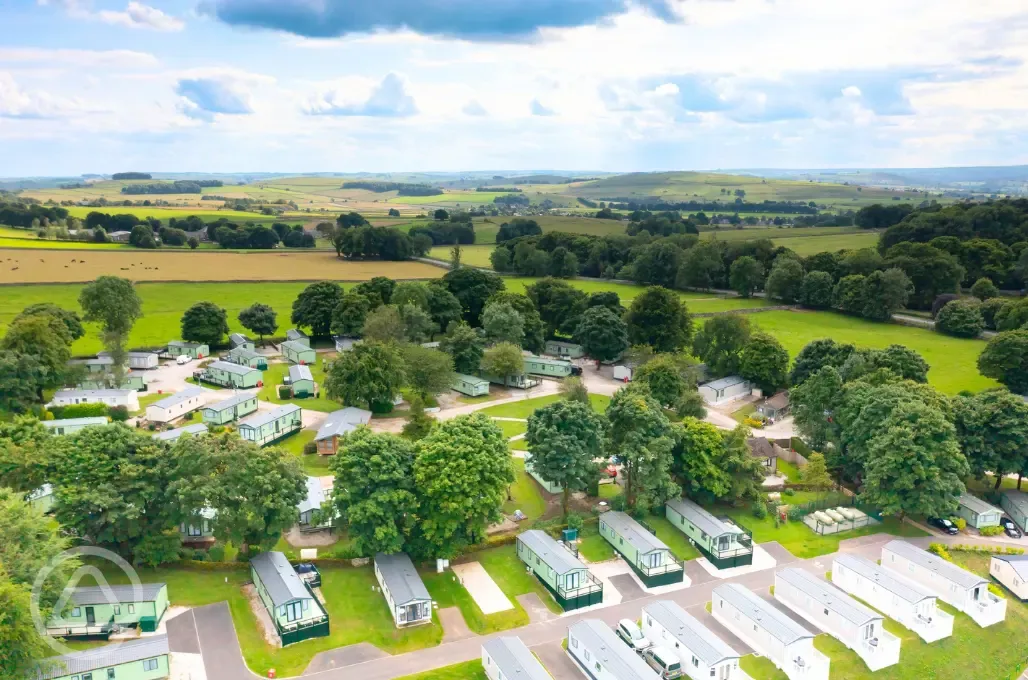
143	360
70	425
703	654
200	528
172	435
230	410
724	544
142	659
758	623
724	390
1016	504
554	368
94	611
603	656
623	373
564	350
98	381
297	613
521	382
240	341
507	658
100	364
126	398
338	424
853	624
264	428
293	335
301	382
651	560
177	405
319	491
228	374
977	512
42	499
193	350
248	357
297	352
345	344
909	603
563	574
956	587
545	483
470	385
1011	571
404	591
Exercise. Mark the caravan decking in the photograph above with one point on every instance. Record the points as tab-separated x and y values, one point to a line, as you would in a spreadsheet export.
826	606
957	587
702	653
563	574
648	556
755	621
907	602
723	543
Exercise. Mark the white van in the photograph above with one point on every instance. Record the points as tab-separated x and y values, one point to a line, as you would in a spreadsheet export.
664	661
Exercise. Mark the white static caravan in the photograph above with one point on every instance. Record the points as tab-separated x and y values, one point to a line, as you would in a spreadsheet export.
126	398
907	602
847	620
1011	571
755	621
702	653
724	390
404	590
956	587
603	656
507	658
177	405
139	360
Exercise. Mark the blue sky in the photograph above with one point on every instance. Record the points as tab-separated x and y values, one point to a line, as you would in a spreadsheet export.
618	85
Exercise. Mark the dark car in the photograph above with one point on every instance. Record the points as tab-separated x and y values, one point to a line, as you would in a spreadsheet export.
1011	529
943	525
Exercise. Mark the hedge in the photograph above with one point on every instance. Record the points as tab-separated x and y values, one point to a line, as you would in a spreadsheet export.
79	411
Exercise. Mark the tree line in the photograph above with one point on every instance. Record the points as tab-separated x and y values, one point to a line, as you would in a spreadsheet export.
401	188
176	187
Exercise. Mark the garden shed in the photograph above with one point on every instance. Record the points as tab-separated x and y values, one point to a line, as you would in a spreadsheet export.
338	424
702	653
977	512
296	612
142	659
560	570
71	425
228	374
297	352
404	591
231	409
723	543
470	385
301	382
92	610
651	560
507	658
266	428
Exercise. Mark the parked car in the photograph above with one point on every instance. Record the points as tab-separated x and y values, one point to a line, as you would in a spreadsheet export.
183	359
664	661
1011	529
611	470
632	636
944	525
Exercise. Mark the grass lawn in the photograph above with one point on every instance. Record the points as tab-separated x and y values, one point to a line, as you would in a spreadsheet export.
740	415
469	670
788	470
672	537
512	428
526	407
608	491
509	573
447	591
464	399
277	372
147	398
313	464
526	495
594	547
761	668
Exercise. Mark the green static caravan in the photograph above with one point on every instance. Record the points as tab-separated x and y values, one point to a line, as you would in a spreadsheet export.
227	374
193	430
521	382
297	352
977	512
42	499
301	382
142	659
100	364
94	611
293	335
553	368
546	484
247	357
723	543
133	381
199	529
265	428
563	574
564	350
470	385
193	350
72	425
1016	504
651	560
238	340
289	600
230	410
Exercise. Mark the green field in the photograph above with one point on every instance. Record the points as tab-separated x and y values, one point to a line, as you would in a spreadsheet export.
809	245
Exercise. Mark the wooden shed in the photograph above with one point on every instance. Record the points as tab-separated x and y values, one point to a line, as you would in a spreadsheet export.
338	424
563	574
651	560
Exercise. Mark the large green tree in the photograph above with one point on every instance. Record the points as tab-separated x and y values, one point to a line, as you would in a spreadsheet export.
461	472
785	282
69	318
204	322
885	293
465	346
660	319
534	328
720	342
369	375
429	371
22	377
961	318
313	307
992	429
745	471
410	293
472	287
46	339
817	289
564	438
602	334
113	303
418	325
765	362
24	454
746	275
21	645
816	355
350	314
641	437
374	490
503	360
698	449
259	319
384	325
1005	359
559	303
502	323
812	404
443	305
668	377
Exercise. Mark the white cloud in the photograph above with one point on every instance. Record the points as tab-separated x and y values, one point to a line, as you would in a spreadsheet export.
16	102
474	108
85	58
667	89
539	109
138	15
357	97
851	91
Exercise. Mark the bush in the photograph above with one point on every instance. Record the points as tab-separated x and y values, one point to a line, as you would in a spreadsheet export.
119	414
759	510
749	421
618	502
795	514
79	411
381	407
217	553
594	488
984	288
200	556
310	447
285	392
574	521
960	522
961	318
789	492
989	309
940	550
991	531
941	301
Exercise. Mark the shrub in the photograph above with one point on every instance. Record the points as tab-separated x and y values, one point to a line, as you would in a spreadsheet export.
789	492
961	318
984	288
152	427
759	510
217	553
310	447
79	411
285	392
594	488
795	514
989	309
753	422
119	414
941	301
960	522
574	521
618	502
991	531
940	550
381	407
200	556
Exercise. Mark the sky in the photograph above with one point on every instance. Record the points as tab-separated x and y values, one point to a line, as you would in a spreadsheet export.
101	86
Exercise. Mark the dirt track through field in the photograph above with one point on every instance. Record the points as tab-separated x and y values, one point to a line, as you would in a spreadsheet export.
51	266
